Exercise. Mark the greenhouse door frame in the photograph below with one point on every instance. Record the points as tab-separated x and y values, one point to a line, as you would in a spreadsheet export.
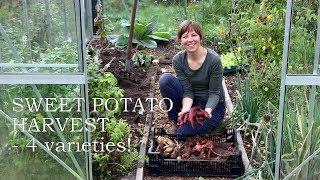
312	80
79	78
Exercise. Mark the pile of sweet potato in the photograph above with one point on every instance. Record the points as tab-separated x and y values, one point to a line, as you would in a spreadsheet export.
195	148
167	147
196	115
203	148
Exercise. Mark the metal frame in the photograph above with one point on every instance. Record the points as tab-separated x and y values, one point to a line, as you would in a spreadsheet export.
81	32
294	80
24	65
43	147
24	78
79	78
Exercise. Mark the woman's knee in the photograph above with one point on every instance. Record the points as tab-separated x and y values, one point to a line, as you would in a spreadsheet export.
208	126
165	79
187	130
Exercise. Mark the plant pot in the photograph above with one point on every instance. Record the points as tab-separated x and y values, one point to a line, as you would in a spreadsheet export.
235	69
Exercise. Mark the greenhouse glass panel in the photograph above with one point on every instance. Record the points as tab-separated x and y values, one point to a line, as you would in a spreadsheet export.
43	90
39	36
43	115
301	129
303	38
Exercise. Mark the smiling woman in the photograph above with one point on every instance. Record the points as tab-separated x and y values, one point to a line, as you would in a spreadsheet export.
198	82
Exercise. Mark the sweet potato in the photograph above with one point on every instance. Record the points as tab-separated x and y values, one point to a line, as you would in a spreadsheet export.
196	115
183	118
165	145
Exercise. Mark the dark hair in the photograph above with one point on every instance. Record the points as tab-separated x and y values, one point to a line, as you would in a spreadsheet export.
188	25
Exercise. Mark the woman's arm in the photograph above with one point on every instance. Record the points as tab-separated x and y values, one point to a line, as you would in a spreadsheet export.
209	111
186	105
215	85
183	79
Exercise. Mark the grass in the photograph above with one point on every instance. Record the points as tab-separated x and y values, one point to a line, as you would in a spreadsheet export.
210	15
170	16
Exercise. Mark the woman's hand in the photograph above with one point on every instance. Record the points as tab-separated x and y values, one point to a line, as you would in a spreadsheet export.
182	112
186	105
209	111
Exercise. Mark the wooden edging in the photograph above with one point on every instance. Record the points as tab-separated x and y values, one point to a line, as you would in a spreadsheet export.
229	105
230	110
144	141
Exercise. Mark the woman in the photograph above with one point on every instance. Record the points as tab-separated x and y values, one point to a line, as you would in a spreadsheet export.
198	82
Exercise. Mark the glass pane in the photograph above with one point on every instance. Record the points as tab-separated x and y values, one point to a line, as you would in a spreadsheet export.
303	38
57	131
37	33
299	135
116	11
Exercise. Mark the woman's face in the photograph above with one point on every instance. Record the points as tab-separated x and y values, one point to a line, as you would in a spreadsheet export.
191	41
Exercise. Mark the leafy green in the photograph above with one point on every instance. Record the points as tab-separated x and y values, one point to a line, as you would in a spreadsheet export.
142	58
144	34
229	60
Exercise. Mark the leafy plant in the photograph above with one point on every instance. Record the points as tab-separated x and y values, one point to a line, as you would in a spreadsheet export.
297	131
264	80
118	130
144	34
110	164
229	60
104	85
114	163
248	102
103	23
65	54
142	58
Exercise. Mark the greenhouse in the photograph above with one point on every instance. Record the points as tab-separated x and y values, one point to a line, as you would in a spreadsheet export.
159	89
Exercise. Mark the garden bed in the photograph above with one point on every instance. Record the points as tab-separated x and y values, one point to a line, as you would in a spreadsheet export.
137	84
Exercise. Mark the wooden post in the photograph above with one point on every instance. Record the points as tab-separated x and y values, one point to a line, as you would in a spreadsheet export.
129	48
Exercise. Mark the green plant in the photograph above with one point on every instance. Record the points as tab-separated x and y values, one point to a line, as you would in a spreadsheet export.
103	23
262	135
64	54
117	130
258	30
104	85
247	102
229	60
114	163
298	132
144	34
109	165
142	58
264	80
105	27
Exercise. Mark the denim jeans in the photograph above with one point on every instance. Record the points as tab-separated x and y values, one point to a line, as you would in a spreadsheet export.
171	88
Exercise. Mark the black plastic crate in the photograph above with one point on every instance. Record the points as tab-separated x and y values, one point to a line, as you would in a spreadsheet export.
158	165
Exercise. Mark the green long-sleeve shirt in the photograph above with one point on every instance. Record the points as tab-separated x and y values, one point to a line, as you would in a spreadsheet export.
204	83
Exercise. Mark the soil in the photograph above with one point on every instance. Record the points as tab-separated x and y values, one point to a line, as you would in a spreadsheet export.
231	84
136	82
137	85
